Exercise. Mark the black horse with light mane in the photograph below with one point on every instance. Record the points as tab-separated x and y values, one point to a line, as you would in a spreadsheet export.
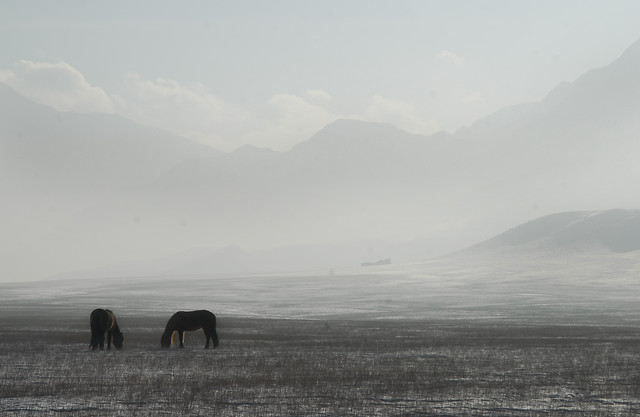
189	321
104	321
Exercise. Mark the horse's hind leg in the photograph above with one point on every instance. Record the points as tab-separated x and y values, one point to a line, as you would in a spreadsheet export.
213	335
108	340
181	337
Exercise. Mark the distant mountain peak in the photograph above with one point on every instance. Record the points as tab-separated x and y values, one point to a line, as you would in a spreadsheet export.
347	135
92	152
251	151
632	53
350	128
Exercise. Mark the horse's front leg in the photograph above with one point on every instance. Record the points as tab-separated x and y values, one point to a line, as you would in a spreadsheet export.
94	341
181	336
108	340
101	341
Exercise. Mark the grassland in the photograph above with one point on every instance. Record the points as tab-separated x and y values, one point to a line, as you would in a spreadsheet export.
320	367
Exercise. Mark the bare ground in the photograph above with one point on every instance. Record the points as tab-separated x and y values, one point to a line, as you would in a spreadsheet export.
319	367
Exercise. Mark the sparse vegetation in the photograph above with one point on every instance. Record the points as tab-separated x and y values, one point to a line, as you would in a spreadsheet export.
298	367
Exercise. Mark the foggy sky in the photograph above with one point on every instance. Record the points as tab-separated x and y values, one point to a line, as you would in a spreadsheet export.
273	73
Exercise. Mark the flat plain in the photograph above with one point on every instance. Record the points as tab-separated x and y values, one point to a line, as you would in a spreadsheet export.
292	367
518	337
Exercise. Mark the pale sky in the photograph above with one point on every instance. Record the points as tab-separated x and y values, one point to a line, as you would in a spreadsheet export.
272	73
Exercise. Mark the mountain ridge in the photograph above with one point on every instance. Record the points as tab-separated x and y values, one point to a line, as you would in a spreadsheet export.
614	230
109	150
352	181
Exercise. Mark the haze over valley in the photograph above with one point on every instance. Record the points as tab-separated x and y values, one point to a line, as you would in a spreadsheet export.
96	191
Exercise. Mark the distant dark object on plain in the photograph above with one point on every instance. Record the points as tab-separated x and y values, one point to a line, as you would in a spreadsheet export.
380	262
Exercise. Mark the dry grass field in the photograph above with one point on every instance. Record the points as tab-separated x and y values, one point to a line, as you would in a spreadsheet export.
277	367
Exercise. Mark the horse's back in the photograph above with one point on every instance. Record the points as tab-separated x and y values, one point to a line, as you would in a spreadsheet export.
205	314
102	319
192	320
96	316
205	317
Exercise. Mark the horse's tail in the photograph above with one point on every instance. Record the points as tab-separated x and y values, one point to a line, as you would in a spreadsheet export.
214	333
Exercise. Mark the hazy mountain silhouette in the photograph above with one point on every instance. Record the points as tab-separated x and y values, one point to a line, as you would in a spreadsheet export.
599	99
54	165
575	149
610	230
97	151
351	182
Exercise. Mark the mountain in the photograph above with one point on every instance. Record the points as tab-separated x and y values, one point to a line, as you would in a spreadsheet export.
92	190
380	155
54	165
615	231
598	100
575	149
352	181
55	162
84	151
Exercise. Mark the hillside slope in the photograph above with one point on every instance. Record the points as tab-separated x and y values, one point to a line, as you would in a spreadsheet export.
611	230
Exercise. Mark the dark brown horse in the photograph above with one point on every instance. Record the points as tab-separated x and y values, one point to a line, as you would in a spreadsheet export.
102	321
189	321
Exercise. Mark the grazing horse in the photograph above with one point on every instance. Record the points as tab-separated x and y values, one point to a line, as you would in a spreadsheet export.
102	321
189	321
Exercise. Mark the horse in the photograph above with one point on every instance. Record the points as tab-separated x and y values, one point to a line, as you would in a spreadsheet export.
102	321
190	321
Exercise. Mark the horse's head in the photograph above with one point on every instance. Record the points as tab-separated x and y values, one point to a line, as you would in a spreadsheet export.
165	341
118	339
